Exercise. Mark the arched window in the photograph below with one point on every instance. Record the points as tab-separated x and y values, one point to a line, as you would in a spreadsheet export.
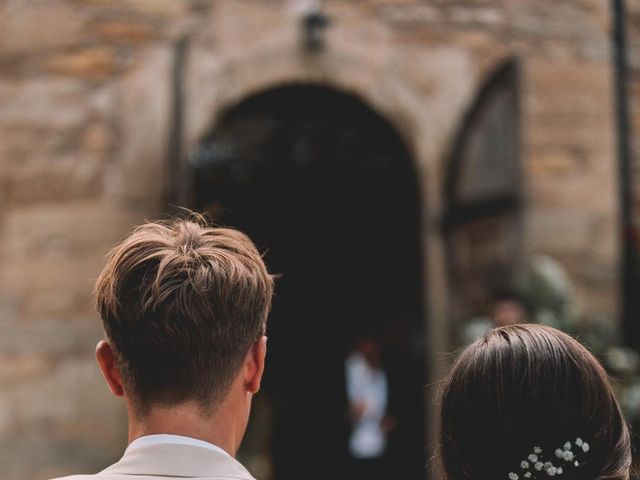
483	195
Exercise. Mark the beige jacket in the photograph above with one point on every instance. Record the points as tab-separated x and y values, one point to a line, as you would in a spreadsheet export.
167	461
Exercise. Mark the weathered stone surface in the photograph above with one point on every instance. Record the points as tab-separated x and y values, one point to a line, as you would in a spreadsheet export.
89	62
43	102
55	178
135	32
85	116
51	256
76	417
39	25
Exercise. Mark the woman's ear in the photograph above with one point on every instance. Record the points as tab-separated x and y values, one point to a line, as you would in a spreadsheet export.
107	363
254	365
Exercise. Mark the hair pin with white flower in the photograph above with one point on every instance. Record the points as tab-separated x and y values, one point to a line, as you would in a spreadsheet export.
535	466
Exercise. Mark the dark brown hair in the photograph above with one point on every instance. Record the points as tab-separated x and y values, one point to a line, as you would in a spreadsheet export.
181	304
527	386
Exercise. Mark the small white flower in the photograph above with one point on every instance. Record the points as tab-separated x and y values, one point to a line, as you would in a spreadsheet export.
567	446
527	475
576	463
551	471
537	450
548	465
524	464
538	466
533	458
513	476
567	455
579	442
559	452
585	447
559	470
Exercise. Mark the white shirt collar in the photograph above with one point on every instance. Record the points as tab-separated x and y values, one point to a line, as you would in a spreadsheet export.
168	439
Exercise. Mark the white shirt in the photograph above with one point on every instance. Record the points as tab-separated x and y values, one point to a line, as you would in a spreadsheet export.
367	385
168	439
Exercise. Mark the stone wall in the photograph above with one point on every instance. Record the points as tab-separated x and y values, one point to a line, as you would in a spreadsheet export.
85	98
63	89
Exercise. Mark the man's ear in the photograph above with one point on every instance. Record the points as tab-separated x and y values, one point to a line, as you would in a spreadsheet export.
254	365
107	362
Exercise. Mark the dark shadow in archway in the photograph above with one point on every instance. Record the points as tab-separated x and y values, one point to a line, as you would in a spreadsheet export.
327	188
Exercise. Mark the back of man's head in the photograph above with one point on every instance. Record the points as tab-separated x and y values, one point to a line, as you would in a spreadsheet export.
182	303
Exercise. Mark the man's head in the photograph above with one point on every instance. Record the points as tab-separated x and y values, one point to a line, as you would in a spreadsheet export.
184	306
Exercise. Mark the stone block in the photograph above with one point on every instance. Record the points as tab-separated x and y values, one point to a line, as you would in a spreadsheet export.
161	8
66	229
54	103
568	104
55	178
66	420
560	232
52	255
560	163
125	31
34	26
555	20
478	16
87	62
410	15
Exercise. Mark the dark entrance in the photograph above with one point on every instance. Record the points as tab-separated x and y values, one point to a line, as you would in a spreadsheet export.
326	187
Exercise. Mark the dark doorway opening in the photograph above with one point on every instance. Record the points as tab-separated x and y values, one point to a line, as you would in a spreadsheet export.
326	187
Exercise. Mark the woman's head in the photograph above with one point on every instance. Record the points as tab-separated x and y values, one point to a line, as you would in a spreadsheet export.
527	386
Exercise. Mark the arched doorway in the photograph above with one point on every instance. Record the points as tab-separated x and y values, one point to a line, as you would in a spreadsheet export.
325	185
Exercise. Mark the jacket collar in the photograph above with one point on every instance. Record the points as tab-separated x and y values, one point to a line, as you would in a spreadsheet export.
187	461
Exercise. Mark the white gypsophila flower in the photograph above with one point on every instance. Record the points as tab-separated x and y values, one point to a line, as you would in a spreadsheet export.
567	446
576	463
537	450
533	458
559	470
513	476
551	471
585	447
538	466
579	442
567	455
524	465
559	452
547	465
527	475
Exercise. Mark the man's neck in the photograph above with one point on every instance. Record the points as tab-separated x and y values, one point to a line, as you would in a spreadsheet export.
187	420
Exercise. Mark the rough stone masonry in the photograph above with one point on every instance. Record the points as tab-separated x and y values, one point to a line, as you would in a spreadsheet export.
84	113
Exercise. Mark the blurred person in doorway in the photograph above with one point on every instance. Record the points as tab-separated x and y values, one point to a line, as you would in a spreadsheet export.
184	307
508	308
368	400
505	308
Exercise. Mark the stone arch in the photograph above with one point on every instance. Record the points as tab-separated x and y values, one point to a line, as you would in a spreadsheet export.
237	79
404	104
